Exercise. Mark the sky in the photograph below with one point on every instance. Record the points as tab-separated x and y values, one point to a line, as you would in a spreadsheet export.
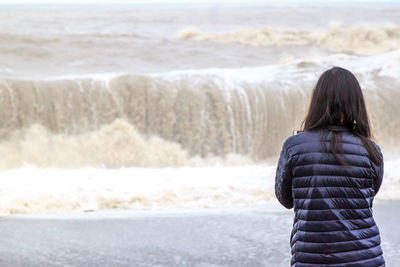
186	2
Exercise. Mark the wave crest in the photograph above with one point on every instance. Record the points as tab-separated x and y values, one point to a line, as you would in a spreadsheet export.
360	39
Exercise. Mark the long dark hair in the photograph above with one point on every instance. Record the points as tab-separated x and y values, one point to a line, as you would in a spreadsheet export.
337	99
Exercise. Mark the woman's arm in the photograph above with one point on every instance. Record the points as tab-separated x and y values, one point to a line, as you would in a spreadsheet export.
378	172
283	179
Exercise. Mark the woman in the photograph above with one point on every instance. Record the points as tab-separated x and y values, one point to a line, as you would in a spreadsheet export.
329	173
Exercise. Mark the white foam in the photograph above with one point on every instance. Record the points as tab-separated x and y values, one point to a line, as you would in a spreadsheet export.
106	76
390	188
35	190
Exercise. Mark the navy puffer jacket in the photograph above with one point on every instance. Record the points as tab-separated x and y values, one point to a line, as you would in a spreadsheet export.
333	223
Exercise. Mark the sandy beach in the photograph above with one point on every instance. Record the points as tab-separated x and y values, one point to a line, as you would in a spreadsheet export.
251	236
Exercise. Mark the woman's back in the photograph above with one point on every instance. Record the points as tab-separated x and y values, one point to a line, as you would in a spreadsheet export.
333	222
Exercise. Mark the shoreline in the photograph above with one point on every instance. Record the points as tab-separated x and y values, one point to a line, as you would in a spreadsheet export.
269	207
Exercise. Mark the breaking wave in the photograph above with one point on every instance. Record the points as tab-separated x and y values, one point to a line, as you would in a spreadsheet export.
357	39
163	120
74	143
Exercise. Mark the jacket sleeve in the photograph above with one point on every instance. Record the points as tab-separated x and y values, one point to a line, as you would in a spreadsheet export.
378	170
283	179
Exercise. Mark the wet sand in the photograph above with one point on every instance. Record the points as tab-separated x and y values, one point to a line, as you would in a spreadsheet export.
251	236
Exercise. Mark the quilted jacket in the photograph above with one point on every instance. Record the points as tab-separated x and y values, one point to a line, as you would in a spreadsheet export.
333	220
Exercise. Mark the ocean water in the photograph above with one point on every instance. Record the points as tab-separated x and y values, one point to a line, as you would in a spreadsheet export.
134	107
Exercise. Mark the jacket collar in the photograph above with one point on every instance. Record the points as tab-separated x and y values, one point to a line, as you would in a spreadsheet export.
338	128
